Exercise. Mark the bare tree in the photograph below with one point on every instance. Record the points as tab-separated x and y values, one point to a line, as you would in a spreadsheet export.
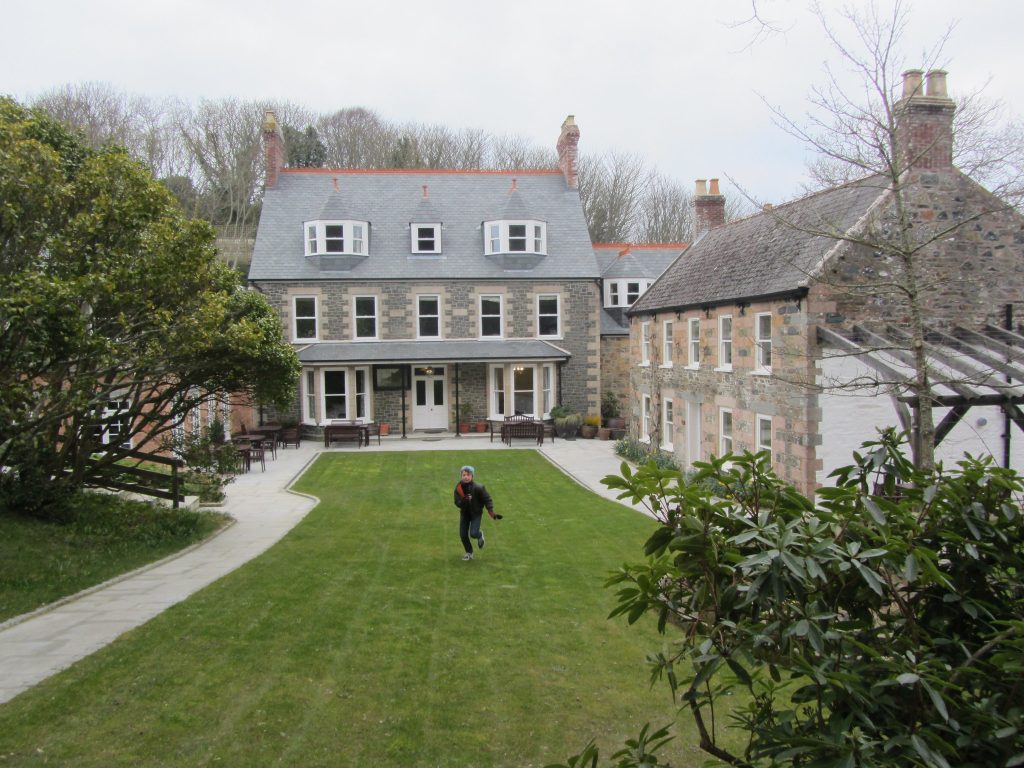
666	212
612	187
891	265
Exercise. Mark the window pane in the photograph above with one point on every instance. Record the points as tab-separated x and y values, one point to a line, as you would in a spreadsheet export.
428	326
495	236
632	292
538	238
548	325
335	394
366	305
517	237
357	239
335	238
305	307
548	305
366	327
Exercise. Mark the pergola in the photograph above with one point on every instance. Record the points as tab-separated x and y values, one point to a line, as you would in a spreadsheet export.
969	368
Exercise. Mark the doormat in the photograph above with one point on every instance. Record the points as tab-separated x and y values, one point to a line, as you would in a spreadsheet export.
433	431
432	439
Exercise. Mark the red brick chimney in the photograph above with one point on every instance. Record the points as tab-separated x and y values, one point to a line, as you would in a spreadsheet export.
708	207
566	147
273	146
924	127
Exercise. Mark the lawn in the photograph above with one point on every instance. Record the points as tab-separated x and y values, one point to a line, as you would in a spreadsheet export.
362	638
99	537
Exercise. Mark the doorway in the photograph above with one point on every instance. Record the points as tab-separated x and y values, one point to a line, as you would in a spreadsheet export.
430	401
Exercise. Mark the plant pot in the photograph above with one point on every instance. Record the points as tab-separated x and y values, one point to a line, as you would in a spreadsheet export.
588	431
481	426
616	423
385	429
464	427
604	433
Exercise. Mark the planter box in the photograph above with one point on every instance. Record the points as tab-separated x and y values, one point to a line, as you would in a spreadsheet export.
588	431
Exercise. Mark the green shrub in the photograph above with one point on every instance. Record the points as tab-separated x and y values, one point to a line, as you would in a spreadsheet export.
637	452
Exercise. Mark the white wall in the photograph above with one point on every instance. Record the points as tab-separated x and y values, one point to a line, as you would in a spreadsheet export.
850	418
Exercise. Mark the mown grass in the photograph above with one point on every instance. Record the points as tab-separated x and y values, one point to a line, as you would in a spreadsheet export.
95	537
362	638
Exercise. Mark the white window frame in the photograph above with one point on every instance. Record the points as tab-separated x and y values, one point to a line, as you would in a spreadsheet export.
645	344
355	237
420	316
498	240
356	317
617	292
725	349
763	344
315	317
547	386
666	344
693	330
558	315
726	431
668	427
416	238
309	398
645	419
762	444
500	315
116	421
353	394
498	394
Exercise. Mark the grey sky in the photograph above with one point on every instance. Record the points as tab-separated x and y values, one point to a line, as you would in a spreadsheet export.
669	80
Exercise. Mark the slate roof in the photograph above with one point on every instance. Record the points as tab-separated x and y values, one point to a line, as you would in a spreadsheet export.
763	255
392	199
453	350
620	260
625	260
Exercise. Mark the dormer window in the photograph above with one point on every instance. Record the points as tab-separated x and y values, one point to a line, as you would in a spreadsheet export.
426	238
515	237
336	237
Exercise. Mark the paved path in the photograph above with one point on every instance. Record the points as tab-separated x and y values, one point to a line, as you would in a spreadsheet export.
38	645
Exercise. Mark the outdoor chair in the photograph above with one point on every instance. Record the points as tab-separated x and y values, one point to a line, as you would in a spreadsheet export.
289	436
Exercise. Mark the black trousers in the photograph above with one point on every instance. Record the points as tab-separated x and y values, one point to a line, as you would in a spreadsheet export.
469	526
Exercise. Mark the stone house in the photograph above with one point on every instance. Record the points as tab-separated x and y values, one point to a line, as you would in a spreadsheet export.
627	271
784	331
413	296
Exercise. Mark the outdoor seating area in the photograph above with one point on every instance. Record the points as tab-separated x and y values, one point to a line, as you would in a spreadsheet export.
340	429
254	444
519	426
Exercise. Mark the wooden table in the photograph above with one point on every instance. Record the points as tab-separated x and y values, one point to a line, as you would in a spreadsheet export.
531	429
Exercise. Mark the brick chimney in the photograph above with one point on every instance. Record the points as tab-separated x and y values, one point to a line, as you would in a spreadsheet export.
566	147
708	207
273	146
924	121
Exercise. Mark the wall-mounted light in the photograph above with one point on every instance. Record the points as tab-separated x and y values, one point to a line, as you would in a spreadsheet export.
428	371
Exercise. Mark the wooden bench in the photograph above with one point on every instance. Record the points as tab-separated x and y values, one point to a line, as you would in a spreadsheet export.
357	432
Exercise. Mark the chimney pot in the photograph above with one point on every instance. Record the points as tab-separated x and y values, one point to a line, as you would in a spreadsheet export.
935	84
568	140
912	83
708	209
273	147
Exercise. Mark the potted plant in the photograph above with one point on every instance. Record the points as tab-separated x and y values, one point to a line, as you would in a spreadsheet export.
590	425
481	425
465	415
604	433
567	423
611	412
385	429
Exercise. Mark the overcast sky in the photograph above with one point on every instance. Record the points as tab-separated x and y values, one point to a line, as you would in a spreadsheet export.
674	81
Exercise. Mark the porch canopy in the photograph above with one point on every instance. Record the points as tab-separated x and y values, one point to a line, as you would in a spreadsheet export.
449	352
968	368
433	351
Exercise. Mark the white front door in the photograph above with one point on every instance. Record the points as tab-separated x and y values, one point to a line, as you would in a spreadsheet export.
430	406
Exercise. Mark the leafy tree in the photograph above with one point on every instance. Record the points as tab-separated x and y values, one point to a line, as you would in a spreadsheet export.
110	295
883	626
